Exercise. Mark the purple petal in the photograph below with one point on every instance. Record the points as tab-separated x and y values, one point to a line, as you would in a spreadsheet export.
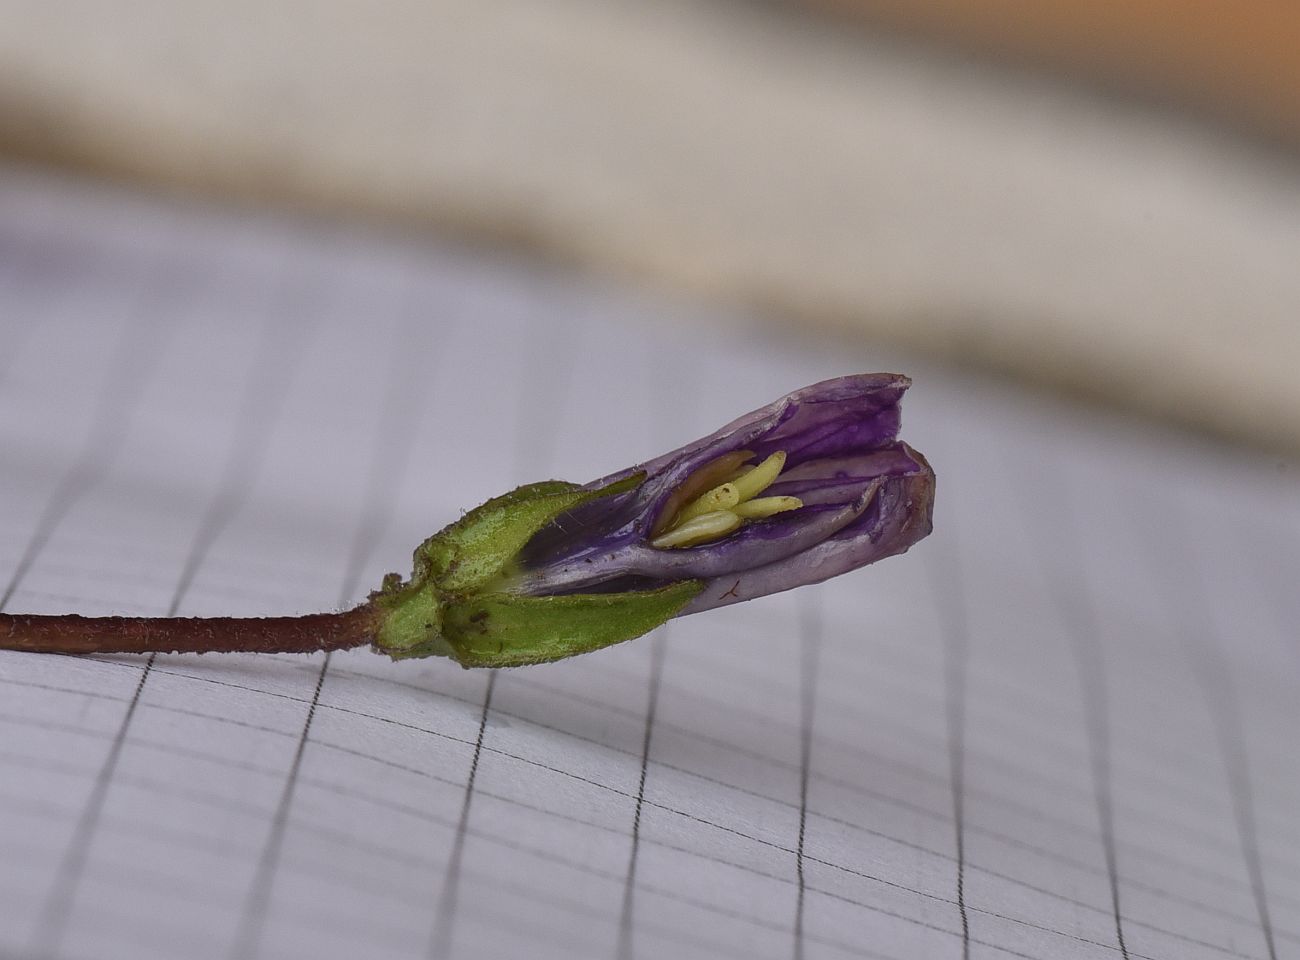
847	413
899	516
843	399
840	479
843	461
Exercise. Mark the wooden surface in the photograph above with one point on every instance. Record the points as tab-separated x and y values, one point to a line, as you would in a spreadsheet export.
1235	60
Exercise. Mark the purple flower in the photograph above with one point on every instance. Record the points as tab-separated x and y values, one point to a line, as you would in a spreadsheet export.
809	487
848	493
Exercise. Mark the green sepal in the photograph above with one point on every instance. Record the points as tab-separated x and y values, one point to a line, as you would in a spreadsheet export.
504	630
452	606
411	624
468	554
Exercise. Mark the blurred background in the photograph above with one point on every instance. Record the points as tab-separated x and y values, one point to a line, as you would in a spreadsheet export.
1098	197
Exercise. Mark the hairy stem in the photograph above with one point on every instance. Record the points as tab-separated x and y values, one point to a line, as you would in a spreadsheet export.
70	633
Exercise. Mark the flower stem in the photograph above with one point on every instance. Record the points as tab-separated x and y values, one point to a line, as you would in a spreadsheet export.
70	633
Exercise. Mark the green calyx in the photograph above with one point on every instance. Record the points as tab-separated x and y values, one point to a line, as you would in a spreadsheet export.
503	630
455	606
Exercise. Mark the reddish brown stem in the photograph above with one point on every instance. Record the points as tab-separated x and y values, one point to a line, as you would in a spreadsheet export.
70	633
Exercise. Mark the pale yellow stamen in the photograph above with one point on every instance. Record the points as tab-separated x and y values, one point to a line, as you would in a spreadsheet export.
705	478
701	529
721	509
761	477
722	497
765	507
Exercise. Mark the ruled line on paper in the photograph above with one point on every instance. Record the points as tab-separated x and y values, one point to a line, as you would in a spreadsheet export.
138	348
810	644
947	590
276	358
409	389
1054	534
441	937
658	651
247	941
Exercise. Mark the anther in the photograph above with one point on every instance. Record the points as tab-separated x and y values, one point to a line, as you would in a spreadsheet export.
722	497
765	507
701	529
761	477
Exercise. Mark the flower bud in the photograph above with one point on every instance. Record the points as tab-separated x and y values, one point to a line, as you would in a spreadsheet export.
811	486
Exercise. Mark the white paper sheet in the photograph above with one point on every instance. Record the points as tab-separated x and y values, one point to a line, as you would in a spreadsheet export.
1063	726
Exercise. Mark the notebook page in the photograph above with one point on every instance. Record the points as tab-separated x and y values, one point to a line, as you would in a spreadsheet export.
1063	726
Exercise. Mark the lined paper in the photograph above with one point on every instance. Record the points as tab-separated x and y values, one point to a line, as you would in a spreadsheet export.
1063	726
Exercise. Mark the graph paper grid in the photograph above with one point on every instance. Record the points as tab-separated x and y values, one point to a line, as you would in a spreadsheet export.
1063	726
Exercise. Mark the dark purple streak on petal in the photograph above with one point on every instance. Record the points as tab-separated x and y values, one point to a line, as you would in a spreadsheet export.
837	480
